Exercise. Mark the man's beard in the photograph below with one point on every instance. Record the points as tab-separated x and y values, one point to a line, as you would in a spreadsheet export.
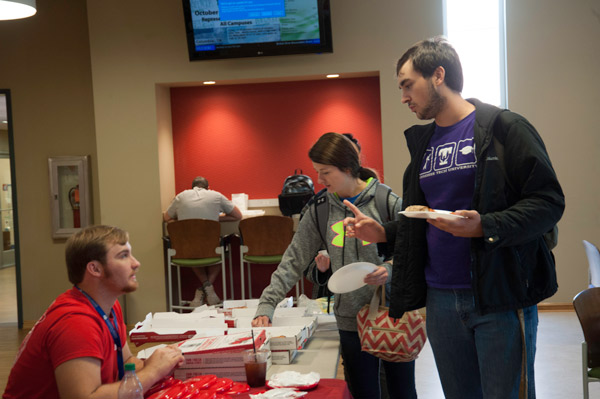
434	105
126	289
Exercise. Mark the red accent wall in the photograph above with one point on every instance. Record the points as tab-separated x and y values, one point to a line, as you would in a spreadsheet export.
248	138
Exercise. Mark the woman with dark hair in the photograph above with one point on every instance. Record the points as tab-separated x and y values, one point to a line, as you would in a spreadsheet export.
337	163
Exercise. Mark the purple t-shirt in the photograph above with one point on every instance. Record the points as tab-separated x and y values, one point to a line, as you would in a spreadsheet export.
448	178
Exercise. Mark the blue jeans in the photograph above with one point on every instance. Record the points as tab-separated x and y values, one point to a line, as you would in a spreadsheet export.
478	356
362	372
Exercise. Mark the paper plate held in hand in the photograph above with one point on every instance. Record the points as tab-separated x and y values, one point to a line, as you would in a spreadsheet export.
350	277
436	213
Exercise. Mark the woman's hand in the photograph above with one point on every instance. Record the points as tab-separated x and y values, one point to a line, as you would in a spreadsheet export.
323	262
261	321
377	277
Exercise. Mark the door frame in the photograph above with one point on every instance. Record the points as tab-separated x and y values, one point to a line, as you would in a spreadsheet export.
13	178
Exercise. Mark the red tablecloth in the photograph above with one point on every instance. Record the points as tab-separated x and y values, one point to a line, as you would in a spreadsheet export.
328	388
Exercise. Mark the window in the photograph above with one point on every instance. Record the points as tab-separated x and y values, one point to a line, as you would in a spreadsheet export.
476	30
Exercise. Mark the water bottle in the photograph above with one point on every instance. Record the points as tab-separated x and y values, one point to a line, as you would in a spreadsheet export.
130	387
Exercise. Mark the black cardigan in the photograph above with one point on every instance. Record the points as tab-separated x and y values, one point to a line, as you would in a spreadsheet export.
511	265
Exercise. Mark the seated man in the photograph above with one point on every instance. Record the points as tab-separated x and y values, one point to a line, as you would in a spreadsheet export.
201	203
78	347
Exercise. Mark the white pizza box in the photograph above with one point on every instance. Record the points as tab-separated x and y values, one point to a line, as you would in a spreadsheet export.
309	323
173	327
234	373
233	341
145	353
243	312
284	356
211	360
240	303
207	318
279	312
290	312
282	338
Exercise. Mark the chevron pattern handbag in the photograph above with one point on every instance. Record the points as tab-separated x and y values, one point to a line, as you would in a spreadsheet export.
393	340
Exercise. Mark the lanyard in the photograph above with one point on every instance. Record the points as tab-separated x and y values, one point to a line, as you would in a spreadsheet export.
113	328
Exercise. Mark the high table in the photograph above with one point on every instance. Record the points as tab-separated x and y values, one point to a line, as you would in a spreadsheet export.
321	354
328	388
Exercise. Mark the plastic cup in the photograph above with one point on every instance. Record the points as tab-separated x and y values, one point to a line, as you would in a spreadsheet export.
256	367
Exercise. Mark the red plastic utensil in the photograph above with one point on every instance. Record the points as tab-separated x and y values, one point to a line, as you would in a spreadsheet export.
237	388
202	381
160	385
222	385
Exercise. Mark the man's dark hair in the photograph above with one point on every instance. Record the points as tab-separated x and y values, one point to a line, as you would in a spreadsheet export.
201	182
88	245
431	53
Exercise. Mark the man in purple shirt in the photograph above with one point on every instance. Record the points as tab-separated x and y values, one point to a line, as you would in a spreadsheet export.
482	273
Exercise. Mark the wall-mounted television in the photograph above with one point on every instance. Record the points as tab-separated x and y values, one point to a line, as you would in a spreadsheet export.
255	28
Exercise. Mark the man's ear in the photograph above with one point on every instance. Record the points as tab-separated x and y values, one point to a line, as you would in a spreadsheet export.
439	76
94	268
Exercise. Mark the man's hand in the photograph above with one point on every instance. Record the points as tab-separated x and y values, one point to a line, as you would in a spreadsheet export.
362	226
468	226
377	277
261	321
323	262
162	361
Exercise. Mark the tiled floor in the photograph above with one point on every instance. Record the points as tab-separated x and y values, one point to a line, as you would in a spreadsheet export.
557	366
8	295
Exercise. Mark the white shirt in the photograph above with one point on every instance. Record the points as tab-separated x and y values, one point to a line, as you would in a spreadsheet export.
199	203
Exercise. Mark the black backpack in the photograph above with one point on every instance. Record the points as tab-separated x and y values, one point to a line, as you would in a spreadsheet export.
297	190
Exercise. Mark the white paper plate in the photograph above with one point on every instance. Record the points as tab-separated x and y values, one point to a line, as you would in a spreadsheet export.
350	277
294	379
437	213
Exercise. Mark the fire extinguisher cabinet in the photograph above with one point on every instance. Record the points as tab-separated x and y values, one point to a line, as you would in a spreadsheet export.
69	194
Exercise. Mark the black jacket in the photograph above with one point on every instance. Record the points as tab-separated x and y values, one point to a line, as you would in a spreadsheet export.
511	265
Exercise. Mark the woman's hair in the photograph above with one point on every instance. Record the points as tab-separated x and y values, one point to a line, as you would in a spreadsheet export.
337	150
88	245
353	139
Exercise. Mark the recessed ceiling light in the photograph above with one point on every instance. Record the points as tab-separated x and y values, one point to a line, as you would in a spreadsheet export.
209	82
333	75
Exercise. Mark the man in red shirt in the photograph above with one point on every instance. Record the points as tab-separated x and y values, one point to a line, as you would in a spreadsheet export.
78	347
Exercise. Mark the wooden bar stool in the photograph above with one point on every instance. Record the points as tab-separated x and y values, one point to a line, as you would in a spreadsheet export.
264	239
194	243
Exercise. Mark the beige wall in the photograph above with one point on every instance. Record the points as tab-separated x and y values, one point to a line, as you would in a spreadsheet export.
138	49
45	63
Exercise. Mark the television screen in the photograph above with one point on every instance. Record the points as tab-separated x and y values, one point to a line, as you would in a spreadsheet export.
253	28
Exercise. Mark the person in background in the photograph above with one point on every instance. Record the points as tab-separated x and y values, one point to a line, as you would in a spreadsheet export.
338	166
201	203
78	347
480	274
